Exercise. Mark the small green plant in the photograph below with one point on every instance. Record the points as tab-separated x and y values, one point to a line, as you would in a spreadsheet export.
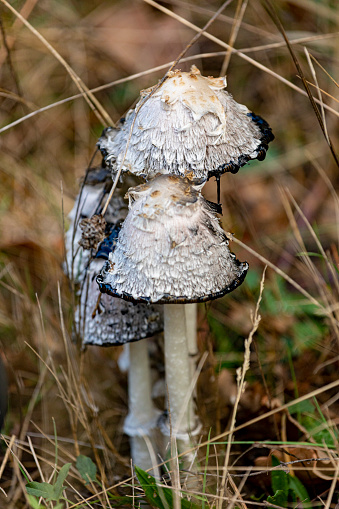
287	488
86	468
159	496
313	420
49	492
52	492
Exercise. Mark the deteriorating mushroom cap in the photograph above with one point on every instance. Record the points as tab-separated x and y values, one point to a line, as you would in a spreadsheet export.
171	247
111	321
85	206
88	203
189	124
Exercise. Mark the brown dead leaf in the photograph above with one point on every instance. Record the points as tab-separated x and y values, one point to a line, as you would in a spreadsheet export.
305	471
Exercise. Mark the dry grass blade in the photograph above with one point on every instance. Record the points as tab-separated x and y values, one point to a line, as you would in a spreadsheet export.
323	92
272	12
8	452
25	11
237	52
87	95
319	94
241	8
16	97
241	373
324	70
298	40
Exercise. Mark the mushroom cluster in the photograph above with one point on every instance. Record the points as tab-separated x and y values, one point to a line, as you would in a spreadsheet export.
171	251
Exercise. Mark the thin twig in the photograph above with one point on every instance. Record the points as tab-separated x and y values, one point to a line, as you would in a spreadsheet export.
241	8
273	14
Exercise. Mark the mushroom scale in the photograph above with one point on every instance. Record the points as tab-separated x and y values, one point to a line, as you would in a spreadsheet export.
189	124
171	248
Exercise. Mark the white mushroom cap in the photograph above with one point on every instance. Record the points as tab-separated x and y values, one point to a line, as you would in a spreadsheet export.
189	124
170	248
113	321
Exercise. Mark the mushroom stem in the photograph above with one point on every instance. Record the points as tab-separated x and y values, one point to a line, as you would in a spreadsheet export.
141	420
191	332
177	366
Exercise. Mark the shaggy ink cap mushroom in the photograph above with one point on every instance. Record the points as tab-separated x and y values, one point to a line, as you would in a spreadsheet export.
189	124
105	321
171	248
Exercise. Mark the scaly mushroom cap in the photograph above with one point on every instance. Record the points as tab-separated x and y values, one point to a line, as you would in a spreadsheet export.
189	124
111	321
87	204
171	247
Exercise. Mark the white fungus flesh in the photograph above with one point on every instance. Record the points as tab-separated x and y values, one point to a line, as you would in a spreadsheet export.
189	124
170	248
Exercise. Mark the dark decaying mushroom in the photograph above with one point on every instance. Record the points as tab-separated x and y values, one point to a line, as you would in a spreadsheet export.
189	124
171	249
109	322
88	203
